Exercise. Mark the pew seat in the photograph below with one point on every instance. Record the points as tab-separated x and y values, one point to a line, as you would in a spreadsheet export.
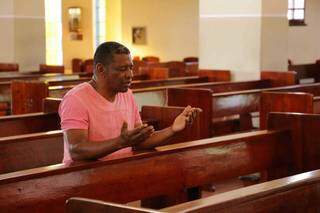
38	142
282	150
297	193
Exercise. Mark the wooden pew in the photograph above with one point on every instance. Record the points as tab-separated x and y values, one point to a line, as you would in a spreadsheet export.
49	120
28	144
28	101
171	170
44	68
151	59
190	59
79	65
301	102
297	193
9	67
306	71
78	205
30	151
143	94
28	123
36	75
230	104
5	85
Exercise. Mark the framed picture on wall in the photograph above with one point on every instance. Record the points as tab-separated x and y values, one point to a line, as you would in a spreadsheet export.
139	35
75	28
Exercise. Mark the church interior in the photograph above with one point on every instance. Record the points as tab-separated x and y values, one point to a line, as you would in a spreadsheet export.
252	67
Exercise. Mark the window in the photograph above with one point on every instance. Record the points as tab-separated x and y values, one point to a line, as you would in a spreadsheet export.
53	25
296	12
100	21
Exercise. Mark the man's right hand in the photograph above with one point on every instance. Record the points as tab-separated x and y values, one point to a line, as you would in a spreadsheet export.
136	135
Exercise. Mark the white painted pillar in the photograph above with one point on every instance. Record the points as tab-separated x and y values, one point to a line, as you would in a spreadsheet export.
29	34
22	37
245	36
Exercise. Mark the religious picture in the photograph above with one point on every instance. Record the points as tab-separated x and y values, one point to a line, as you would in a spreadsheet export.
139	35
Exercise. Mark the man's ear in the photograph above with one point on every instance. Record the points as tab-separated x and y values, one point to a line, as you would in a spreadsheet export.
100	70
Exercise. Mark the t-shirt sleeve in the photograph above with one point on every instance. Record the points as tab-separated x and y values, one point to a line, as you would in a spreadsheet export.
73	114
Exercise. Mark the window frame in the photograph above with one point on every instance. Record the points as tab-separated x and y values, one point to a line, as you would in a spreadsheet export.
99	29
297	22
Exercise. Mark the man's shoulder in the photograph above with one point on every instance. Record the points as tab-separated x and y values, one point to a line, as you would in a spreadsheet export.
78	90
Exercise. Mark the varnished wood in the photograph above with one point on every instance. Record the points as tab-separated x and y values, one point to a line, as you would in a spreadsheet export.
43	89
167	115
76	64
151	59
44	68
228	101
27	96
29	123
279	78
127	179
23	150
9	67
88	66
30	151
284	102
82	205
306	71
298	193
36	75
295	99
190	59
51	104
171	169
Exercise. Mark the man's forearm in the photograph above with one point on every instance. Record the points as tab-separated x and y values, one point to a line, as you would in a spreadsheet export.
156	139
94	150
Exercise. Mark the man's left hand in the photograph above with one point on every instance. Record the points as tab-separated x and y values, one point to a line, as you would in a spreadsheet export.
187	117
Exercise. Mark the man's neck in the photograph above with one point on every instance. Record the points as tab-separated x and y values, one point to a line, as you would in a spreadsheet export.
103	90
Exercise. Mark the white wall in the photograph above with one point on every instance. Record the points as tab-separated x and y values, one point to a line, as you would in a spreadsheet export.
244	36
172	27
7	31
304	41
230	34
30	44
274	35
22	37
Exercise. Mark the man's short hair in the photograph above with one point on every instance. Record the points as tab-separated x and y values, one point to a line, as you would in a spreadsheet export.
105	51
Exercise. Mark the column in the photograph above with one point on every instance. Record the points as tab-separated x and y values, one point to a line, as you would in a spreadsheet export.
245	36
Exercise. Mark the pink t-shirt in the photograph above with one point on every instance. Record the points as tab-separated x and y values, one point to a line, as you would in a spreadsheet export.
84	108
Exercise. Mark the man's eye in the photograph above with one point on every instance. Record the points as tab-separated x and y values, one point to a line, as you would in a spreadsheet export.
122	69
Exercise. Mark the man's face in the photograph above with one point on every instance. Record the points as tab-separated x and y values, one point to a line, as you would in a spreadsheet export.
119	73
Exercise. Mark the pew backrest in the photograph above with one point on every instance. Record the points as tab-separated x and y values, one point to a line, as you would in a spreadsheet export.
298	193
30	151
9	67
44	68
172	169
28	123
306	71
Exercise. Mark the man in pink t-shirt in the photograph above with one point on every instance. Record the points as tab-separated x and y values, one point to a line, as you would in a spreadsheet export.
100	118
